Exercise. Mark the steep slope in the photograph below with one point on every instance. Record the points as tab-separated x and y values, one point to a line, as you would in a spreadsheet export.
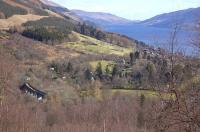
187	18
61	10
22	7
49	3
33	3
26	4
19	5
101	18
91	46
18	20
15	13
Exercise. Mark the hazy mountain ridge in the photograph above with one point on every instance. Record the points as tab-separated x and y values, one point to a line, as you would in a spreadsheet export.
186	18
50	3
101	18
60	9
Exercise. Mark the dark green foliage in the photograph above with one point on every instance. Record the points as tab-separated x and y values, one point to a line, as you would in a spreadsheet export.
56	66
99	35
69	67
115	71
48	29
55	22
137	55
88	74
107	70
138	78
151	70
131	58
9	10
99	70
44	34
61	27
90	31
62	68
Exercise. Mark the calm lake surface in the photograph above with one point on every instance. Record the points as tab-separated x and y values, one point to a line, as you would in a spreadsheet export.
157	37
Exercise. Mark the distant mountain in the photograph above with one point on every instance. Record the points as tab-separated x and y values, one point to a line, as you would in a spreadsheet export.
101	18
49	3
60	9
187	18
156	31
55	6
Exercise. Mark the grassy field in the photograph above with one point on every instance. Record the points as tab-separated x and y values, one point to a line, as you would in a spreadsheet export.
17	20
190	82
146	93
93	46
104	64
134	93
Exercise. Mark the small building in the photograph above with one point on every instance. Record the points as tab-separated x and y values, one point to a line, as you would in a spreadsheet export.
28	89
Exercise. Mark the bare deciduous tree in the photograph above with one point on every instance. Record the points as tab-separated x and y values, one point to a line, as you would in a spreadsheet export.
181	111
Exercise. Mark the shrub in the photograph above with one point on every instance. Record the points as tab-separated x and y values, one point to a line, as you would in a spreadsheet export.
137	55
115	71
51	119
131	58
99	70
90	31
88	74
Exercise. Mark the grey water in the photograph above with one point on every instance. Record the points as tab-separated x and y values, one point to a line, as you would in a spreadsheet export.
158	37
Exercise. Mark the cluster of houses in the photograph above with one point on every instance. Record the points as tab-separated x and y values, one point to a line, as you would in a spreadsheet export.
40	95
